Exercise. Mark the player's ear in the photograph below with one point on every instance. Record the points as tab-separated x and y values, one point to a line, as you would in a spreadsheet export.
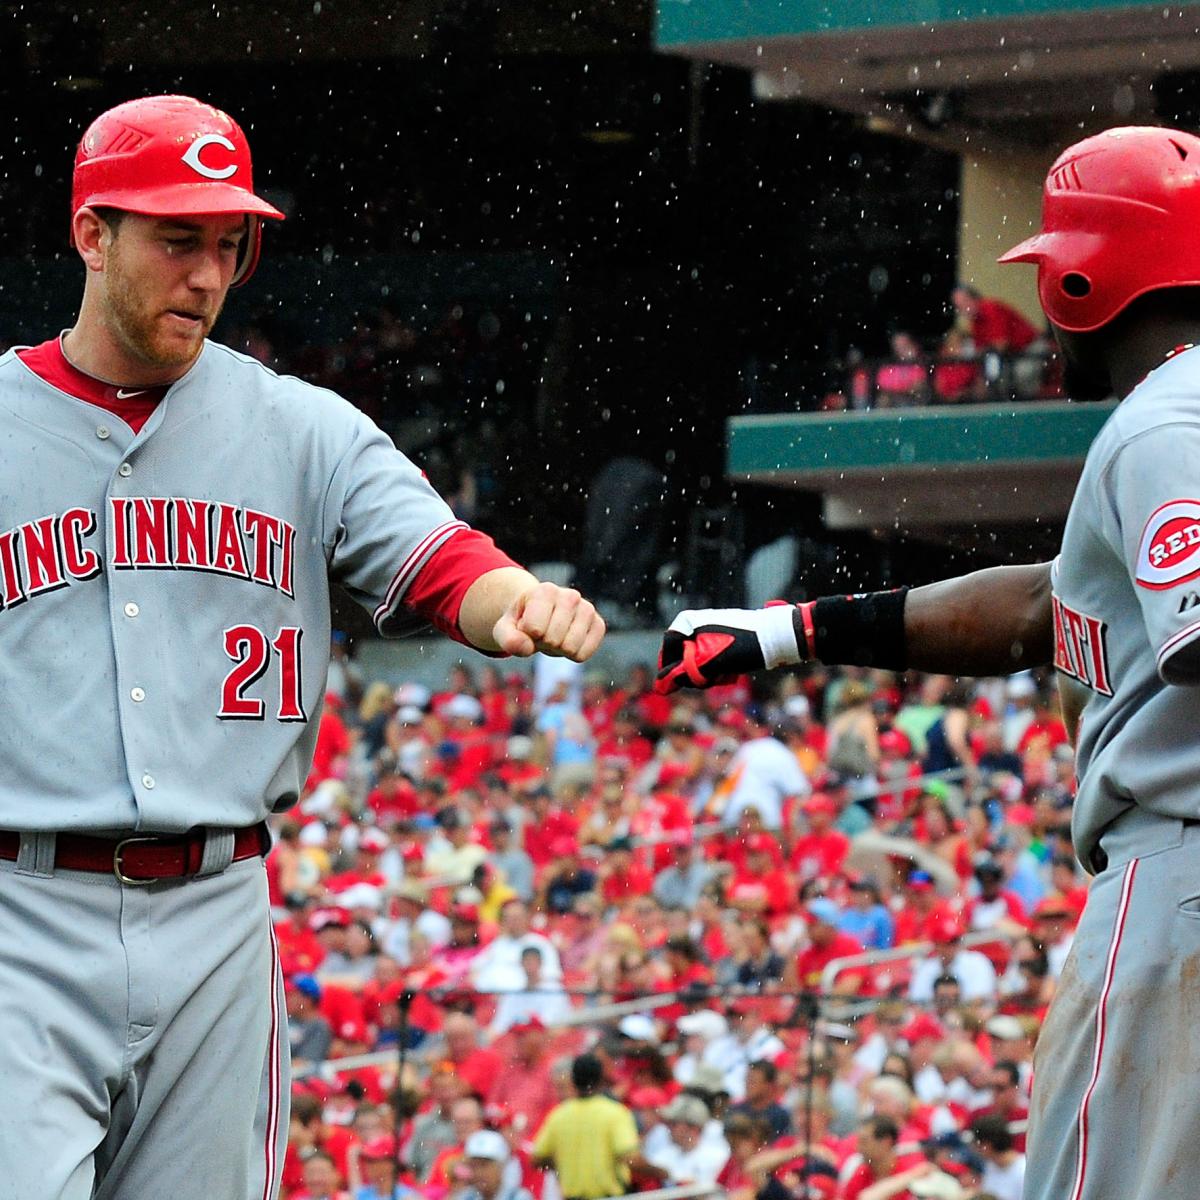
90	237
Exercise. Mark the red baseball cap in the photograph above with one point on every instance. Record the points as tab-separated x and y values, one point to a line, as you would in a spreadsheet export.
944	929
922	1026
820	802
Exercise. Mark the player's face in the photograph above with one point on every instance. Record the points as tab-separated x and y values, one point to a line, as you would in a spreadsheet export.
165	281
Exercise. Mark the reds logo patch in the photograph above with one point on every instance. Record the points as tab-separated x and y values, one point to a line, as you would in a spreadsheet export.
1169	552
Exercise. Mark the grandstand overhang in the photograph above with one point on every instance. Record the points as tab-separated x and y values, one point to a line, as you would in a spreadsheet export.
929	472
949	71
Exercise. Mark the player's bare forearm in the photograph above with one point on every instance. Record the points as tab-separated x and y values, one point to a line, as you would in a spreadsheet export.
991	622
511	611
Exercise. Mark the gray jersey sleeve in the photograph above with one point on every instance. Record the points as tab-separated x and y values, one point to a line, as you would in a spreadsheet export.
382	523
1152	521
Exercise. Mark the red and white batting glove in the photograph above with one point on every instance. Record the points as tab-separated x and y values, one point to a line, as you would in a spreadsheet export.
709	645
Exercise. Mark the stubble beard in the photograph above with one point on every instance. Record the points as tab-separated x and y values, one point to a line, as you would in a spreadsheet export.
139	330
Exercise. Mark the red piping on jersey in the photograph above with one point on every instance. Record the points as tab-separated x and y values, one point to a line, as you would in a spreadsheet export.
1102	1023
50	364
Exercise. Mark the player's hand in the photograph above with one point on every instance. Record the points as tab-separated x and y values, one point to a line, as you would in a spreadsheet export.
708	645
553	620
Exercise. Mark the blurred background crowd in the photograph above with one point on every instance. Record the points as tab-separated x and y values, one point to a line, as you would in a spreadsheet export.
801	933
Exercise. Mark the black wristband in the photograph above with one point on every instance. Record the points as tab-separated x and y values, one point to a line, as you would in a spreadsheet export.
858	631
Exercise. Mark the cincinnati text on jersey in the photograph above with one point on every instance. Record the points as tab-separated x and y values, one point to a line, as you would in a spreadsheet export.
1080	649
147	533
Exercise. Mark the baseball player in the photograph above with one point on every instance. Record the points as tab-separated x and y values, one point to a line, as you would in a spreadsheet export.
171	513
1118	613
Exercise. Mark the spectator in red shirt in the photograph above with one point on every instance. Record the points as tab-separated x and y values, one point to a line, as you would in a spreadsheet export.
625	742
759	888
877	1139
821	852
993	325
523	1086
475	1065
546	824
924	908
826	942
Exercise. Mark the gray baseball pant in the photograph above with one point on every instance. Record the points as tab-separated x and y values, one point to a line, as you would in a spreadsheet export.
143	1041
1114	1113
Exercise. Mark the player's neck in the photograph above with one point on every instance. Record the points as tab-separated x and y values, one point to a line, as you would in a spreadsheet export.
1144	345
92	347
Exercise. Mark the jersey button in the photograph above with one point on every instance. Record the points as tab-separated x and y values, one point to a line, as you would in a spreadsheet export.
131	609
125	470
148	782
102	432
137	695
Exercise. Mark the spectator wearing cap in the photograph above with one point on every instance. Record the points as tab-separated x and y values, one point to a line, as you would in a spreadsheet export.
309	1034
696	1030
680	885
488	1159
373	1171
510	860
761	1101
589	1140
1004	1175
412	916
749	1040
1053	925
826	942
950	957
687	1157
922	909
330	925
539	999
454	856
867	918
498	966
821	852
759	887
762	775
524	1085
996	907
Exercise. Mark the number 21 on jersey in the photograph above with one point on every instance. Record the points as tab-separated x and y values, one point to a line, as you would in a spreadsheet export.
250	649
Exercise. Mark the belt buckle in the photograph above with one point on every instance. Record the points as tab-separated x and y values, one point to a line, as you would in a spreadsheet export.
119	873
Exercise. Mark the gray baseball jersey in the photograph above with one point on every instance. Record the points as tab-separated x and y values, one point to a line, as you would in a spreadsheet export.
164	598
1127	607
1110	1113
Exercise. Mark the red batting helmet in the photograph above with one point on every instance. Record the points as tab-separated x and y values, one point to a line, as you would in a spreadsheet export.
170	156
1120	215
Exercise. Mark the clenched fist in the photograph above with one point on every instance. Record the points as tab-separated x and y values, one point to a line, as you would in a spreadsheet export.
550	619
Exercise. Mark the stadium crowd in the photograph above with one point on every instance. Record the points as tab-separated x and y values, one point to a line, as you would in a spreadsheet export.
602	923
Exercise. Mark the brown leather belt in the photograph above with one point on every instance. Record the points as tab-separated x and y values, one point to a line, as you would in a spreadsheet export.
139	858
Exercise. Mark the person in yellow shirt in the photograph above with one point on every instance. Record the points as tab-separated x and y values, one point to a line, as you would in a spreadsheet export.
590	1139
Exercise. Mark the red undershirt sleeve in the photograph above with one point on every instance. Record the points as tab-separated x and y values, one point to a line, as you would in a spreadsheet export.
436	595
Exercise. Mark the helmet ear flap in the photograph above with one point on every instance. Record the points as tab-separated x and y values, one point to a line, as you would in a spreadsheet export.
251	249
